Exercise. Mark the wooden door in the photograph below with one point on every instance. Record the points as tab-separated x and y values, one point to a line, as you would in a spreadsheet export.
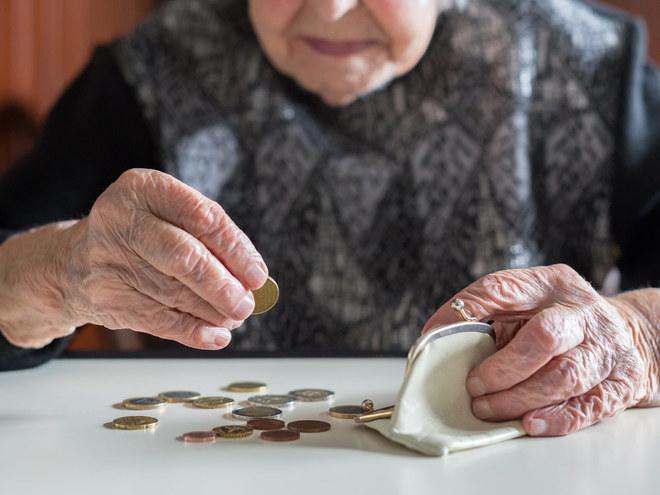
43	45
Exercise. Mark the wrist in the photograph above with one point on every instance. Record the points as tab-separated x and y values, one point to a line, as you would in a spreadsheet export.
34	274
641	311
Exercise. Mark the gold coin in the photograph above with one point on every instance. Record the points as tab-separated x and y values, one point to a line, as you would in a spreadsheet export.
143	403
246	387
179	395
214	402
134	422
233	431
346	412
265	297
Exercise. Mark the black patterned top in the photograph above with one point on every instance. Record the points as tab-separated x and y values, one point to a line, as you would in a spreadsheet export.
516	141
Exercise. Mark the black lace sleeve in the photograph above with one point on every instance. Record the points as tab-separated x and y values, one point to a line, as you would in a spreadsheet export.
94	132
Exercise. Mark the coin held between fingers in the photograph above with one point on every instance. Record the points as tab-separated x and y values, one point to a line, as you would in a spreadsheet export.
265	297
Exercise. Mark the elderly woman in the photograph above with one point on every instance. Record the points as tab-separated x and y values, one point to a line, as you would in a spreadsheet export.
376	157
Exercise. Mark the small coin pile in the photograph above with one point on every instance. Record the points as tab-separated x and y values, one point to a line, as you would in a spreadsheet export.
262	413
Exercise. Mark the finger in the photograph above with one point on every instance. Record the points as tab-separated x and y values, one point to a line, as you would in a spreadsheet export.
604	400
142	314
549	333
188	209
509	295
176	253
569	375
173	294
505	331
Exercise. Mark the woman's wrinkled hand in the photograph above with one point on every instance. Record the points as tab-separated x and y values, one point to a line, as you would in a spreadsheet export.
567	357
156	256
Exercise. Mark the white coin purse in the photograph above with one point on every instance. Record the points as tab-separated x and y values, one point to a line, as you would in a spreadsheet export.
433	413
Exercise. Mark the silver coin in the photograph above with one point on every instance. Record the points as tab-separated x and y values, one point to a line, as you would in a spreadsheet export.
179	395
256	412
272	400
143	403
312	394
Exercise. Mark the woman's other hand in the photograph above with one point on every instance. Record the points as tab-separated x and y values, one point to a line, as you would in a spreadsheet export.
567	357
155	256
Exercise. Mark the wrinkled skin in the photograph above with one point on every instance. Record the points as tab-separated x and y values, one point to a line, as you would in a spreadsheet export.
567	357
155	256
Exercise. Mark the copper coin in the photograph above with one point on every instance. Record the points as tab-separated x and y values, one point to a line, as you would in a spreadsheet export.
280	435
266	424
199	436
308	426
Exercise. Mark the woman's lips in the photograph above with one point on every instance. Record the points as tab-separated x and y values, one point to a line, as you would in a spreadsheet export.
337	48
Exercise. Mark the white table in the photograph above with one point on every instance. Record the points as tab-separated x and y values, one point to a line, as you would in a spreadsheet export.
52	439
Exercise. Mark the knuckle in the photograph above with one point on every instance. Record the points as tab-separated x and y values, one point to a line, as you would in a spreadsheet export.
189	333
570	284
178	295
503	286
228	293
564	271
165	322
227	234
547	336
172	324
208	214
566	375
187	259
133	179
566	418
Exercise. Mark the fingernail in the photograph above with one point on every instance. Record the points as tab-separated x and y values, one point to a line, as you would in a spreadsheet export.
537	426
475	387
255	276
217	336
481	409
222	337
244	308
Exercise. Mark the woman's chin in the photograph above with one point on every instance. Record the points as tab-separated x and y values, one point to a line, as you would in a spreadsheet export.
338	100
342	98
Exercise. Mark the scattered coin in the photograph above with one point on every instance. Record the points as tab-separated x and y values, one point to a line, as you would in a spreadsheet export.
233	431
246	387
266	424
134	422
212	402
265	297
272	400
256	412
308	426
143	403
280	435
312	394
199	437
179	395
346	412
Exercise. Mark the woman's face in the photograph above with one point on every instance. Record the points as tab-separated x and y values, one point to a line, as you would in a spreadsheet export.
342	49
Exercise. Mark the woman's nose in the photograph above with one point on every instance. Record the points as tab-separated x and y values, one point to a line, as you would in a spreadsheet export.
332	10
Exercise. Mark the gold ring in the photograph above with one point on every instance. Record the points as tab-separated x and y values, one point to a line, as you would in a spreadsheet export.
459	306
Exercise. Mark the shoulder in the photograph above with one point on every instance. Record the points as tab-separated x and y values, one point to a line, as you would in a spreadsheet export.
192	56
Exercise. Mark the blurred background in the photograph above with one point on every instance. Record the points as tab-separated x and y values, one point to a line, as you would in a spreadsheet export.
45	43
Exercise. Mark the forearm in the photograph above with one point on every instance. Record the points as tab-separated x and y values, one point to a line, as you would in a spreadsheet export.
641	309
33	294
